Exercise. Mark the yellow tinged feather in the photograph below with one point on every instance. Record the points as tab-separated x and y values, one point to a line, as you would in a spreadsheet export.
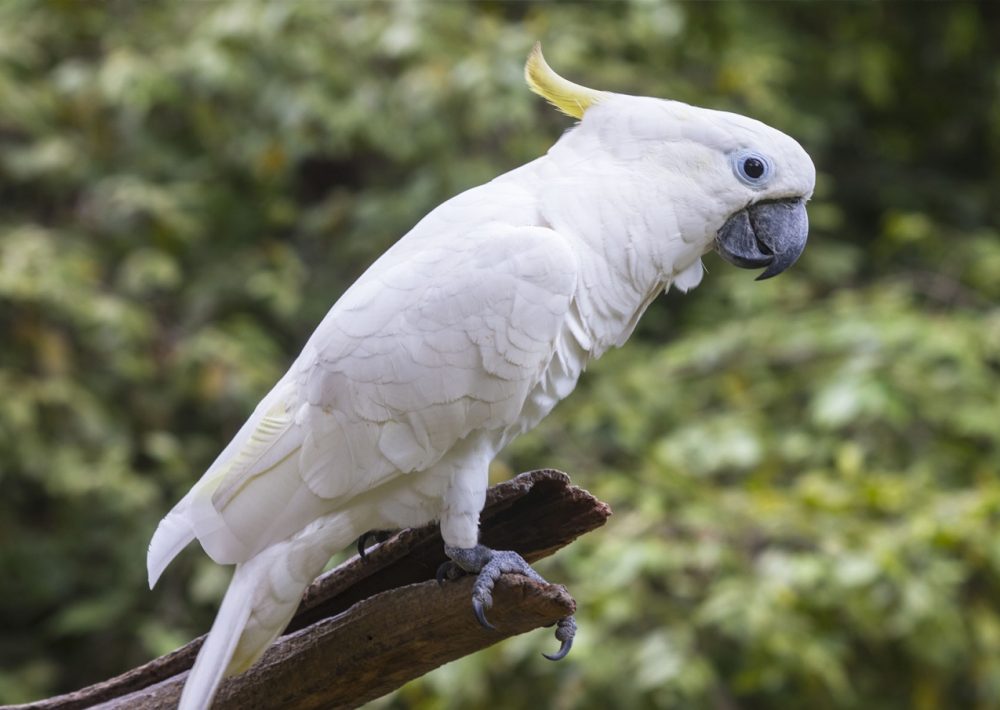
261	440
572	99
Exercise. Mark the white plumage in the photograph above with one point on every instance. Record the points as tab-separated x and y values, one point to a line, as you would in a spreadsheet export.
462	336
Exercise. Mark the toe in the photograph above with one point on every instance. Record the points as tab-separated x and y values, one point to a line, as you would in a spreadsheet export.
565	633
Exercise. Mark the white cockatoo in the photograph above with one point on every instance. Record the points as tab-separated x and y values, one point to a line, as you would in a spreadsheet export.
465	334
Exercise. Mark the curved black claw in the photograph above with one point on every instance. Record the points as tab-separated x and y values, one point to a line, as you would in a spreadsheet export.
561	653
477	609
445	571
376	535
565	633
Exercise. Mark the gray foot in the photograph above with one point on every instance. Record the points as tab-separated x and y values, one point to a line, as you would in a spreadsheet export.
490	564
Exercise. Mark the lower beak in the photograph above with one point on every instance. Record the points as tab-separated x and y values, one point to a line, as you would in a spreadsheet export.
771	234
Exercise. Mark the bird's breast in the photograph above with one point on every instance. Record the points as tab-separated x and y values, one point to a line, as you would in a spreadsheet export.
558	379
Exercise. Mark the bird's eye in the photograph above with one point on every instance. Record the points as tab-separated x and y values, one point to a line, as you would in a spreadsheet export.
752	168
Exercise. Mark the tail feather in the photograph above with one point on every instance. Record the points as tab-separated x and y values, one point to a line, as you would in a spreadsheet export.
172	535
221	642
262	598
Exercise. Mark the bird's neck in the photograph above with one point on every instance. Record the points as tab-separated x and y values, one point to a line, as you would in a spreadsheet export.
628	247
624	229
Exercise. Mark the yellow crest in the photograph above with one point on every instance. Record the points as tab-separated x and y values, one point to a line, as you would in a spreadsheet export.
572	99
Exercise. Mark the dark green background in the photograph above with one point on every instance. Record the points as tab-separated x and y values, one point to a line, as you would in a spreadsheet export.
804	471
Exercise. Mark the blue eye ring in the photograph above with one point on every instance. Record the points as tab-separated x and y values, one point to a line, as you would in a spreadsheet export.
752	168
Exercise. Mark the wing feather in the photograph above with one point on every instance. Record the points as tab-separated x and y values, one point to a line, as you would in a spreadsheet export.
461	354
419	354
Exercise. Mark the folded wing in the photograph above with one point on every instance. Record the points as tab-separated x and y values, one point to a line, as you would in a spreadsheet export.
444	336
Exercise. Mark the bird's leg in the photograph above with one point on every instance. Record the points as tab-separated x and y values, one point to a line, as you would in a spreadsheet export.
376	535
467	469
489	565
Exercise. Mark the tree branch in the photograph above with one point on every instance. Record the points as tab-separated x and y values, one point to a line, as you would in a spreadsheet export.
367	627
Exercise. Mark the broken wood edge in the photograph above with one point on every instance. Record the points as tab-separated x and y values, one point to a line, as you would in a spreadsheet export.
535	514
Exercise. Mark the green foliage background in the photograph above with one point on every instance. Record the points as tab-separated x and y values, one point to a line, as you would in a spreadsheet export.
804	471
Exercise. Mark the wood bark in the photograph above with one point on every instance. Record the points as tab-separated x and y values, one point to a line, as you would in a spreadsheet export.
368	626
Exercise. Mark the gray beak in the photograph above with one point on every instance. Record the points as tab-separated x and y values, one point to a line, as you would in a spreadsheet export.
771	234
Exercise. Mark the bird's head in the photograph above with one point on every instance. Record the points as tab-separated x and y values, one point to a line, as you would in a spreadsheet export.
734	184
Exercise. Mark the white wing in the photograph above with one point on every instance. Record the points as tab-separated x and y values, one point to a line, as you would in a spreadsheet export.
444	336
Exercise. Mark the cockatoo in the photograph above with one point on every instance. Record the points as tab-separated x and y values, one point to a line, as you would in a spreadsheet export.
464	335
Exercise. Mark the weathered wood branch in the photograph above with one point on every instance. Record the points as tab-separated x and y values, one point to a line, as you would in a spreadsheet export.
369	626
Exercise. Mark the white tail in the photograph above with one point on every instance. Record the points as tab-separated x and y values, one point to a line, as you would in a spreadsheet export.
215	655
172	535
262	598
258	605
